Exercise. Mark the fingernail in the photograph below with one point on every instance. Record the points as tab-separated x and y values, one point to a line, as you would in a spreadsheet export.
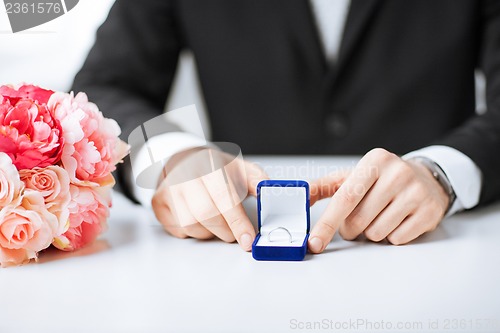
315	245
246	242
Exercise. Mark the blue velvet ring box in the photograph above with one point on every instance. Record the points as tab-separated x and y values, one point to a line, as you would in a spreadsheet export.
283	211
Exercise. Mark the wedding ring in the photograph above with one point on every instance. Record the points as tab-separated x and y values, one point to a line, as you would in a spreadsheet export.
280	228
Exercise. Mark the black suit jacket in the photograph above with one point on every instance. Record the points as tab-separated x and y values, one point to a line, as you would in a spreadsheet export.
404	78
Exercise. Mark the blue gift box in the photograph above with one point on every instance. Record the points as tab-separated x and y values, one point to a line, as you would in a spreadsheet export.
284	220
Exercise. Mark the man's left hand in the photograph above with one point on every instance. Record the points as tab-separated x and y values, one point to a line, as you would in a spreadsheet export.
383	197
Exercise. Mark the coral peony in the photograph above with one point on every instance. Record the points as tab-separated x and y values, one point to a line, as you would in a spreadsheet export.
32	92
89	210
92	147
29	133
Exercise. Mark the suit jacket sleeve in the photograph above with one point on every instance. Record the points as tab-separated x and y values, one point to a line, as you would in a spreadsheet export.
129	70
479	138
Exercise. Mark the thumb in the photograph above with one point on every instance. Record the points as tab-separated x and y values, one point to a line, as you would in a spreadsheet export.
325	187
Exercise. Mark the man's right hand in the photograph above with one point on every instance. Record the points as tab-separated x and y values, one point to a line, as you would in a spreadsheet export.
200	193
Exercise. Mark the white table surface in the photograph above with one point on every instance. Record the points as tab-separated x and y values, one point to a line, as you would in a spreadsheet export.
136	278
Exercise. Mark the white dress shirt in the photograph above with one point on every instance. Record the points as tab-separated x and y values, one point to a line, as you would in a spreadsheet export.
464	175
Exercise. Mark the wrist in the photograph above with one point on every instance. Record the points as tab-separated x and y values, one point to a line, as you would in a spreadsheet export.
439	176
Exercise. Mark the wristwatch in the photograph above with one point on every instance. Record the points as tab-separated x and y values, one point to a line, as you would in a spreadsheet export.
440	176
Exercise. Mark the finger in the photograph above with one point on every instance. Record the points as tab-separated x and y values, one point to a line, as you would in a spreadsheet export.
343	202
232	211
219	227
194	230
375	201
241	226
326	187
412	227
204	210
198	231
178	205
364	214
168	221
387	221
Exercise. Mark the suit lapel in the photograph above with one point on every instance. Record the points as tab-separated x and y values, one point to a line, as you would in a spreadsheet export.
358	19
305	38
304	31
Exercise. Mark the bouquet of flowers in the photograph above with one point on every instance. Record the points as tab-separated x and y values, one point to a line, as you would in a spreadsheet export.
57	152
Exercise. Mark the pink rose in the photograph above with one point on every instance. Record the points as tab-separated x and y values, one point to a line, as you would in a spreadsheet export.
32	92
25	230
89	210
10	184
52	183
29	134
92	147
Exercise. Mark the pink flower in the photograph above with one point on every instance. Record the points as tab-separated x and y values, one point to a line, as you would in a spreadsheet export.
10	184
57	152
29	134
92	147
89	210
52	183
25	229
37	94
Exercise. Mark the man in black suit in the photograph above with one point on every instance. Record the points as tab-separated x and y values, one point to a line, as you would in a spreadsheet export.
399	77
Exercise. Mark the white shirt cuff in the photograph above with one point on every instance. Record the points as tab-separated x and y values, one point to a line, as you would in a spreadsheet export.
158	148
464	175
